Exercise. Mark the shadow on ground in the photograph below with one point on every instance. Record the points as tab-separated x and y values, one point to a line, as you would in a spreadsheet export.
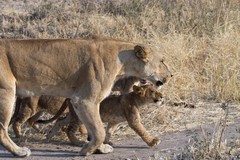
127	148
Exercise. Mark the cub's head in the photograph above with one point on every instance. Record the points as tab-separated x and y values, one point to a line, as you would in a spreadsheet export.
149	92
150	66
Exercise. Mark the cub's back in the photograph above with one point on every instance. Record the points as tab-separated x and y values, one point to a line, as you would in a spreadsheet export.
111	109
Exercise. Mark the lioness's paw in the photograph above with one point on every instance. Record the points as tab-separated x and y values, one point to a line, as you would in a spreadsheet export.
104	148
23	152
155	142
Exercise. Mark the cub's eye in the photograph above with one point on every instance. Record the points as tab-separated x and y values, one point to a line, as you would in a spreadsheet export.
151	93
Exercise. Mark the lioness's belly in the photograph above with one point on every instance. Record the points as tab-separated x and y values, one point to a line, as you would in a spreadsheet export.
36	91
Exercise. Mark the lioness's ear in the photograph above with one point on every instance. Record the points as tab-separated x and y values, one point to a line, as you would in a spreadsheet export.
141	52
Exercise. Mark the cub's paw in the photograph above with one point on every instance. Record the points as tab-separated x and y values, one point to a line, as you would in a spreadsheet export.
108	142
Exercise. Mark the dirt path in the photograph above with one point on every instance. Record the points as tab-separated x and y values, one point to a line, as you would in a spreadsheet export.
127	148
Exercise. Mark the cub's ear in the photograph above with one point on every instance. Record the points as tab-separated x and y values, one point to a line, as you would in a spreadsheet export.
136	89
139	90
142	52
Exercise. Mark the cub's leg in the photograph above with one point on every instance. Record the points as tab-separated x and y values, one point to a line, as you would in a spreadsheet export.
7	98
58	125
111	127
73	127
88	113
33	119
18	104
134	121
27	110
82	129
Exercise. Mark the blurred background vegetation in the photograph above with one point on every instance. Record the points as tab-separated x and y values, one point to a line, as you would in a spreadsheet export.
199	39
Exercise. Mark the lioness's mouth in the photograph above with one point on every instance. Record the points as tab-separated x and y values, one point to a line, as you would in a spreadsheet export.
143	81
156	100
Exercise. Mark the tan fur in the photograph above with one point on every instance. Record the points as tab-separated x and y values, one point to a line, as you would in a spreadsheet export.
31	108
124	85
73	123
116	109
83	70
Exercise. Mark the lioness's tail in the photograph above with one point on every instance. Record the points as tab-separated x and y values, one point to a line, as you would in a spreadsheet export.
58	114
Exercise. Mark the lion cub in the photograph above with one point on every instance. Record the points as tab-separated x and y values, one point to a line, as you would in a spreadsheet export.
120	108
127	107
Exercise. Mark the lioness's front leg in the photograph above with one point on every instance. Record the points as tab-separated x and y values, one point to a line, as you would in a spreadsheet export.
134	121
88	113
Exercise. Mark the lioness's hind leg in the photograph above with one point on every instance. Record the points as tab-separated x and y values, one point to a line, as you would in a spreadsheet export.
88	113
7	98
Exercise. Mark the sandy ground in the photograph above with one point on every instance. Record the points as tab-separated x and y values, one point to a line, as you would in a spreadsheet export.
130	147
174	125
127	148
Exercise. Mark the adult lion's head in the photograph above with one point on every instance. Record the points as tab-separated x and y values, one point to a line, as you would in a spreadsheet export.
150	66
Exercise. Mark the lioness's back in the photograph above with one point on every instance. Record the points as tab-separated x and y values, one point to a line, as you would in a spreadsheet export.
45	66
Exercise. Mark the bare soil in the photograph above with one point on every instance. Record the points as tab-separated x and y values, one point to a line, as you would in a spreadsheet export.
127	148
128	145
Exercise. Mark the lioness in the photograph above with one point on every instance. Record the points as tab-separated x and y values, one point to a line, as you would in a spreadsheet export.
82	70
120	108
29	109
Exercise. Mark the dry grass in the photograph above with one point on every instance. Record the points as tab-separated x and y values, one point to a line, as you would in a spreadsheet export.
199	40
211	145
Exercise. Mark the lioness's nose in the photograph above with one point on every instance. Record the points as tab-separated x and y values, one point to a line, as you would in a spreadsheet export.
159	83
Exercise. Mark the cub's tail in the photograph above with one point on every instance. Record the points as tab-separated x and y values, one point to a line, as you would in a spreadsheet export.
64	106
